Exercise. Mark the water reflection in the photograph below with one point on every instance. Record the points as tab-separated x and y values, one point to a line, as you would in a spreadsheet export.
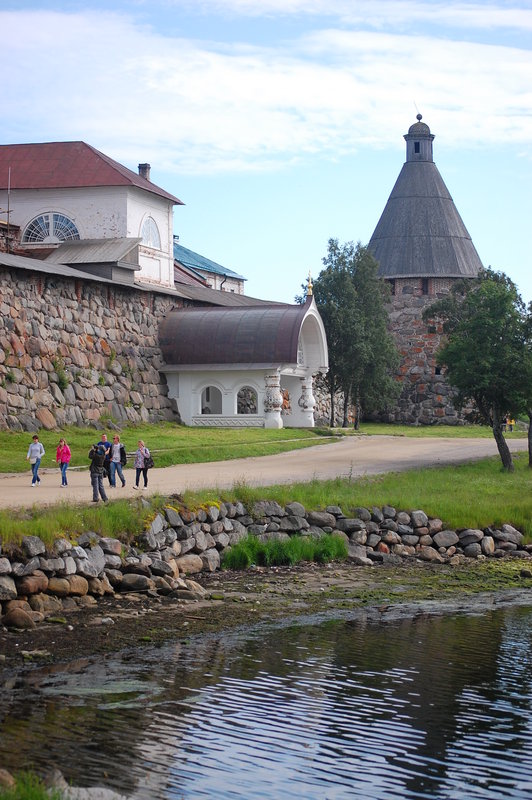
424	708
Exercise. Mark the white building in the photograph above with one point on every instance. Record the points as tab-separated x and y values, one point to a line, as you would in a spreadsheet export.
69	192
244	366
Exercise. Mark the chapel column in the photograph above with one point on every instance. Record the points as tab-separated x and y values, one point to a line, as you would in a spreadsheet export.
307	401
273	401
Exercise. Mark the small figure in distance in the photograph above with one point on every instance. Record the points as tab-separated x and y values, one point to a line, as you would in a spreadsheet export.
62	457
141	455
35	454
118	460
511	423
104	441
97	469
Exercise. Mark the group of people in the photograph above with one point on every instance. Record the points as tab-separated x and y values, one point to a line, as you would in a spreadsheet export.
107	459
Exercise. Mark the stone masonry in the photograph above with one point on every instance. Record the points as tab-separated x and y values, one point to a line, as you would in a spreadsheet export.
72	351
426	398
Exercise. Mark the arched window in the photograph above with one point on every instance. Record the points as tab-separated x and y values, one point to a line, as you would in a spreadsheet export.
246	401
211	400
150	234
50	227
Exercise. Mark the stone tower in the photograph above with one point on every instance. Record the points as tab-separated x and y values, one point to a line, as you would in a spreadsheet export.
422	247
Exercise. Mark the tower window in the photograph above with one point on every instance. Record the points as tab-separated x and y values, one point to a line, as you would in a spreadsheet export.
416	147
424	285
437	370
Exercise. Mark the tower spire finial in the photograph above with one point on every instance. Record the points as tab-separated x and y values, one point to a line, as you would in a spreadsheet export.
309	285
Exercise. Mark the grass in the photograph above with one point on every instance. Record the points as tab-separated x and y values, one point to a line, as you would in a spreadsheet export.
178	444
472	495
122	520
29	787
435	431
277	553
170	443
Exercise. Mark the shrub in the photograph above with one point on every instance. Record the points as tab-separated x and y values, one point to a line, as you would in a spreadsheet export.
278	553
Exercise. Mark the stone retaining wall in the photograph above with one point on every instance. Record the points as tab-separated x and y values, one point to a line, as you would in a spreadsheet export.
72	351
36	583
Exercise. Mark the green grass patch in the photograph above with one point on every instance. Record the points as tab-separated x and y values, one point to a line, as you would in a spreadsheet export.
472	495
281	553
177	444
169	443
122	519
433	431
29	787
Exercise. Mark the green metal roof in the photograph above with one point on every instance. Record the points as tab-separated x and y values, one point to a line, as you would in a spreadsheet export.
194	261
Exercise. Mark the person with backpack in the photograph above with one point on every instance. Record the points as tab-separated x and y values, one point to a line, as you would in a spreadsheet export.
104	441
97	470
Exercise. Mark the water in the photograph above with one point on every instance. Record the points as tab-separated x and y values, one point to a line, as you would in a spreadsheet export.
427	708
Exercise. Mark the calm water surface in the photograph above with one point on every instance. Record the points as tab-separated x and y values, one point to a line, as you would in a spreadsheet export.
427	708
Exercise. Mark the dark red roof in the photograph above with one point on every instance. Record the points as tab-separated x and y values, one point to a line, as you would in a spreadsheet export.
67	165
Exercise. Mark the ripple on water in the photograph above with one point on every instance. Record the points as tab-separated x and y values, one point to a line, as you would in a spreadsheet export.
428	708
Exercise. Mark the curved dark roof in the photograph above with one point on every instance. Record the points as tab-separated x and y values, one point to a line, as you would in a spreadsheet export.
248	335
420	232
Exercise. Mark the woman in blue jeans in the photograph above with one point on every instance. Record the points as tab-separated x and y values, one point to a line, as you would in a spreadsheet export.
141	455
35	454
118	460
62	457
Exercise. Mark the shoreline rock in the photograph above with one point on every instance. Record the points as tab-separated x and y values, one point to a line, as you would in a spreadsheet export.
37	584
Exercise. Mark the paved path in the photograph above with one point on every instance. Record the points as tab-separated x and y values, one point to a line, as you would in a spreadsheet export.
351	456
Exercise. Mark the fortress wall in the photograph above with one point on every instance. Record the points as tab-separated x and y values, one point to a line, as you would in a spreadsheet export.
72	351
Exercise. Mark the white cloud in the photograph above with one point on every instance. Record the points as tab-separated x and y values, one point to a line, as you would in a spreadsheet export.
381	13
207	106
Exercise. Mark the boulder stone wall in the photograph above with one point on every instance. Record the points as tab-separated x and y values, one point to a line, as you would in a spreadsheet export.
73	351
36	581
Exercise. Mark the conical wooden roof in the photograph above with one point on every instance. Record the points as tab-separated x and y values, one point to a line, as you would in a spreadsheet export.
420	232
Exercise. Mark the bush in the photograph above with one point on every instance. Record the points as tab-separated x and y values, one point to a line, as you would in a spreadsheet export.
284	553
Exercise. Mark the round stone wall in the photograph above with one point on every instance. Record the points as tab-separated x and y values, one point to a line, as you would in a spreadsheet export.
426	398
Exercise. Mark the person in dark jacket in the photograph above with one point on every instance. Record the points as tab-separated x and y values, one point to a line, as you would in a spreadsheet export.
97	471
107	464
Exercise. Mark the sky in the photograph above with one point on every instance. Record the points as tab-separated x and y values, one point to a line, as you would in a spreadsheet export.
280	123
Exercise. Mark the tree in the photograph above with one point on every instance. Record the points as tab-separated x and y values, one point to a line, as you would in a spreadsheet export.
485	354
527	378
362	355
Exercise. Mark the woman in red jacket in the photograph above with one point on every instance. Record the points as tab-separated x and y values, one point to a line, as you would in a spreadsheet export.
62	457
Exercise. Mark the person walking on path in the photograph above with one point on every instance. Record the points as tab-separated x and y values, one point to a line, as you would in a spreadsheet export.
118	460
62	457
97	469
104	442
141	456
35	454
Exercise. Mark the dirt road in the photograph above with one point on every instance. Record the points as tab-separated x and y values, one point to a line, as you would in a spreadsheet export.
353	455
